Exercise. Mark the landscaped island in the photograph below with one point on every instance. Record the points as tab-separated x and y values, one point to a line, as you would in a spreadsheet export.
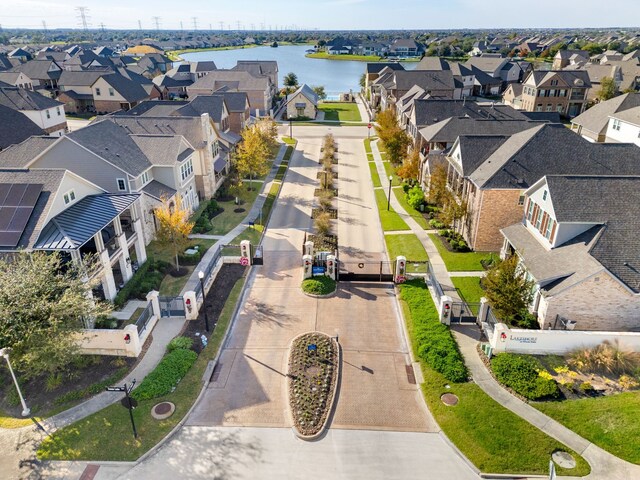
313	376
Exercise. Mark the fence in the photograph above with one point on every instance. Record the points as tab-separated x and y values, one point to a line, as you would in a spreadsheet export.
437	288
143	319
208	271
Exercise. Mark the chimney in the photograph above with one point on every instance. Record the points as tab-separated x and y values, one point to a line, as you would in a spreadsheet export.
204	121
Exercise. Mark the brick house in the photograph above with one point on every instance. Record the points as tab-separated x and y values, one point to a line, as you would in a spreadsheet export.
577	243
562	91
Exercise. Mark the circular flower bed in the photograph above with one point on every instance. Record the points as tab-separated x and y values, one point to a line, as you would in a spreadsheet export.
321	285
313	375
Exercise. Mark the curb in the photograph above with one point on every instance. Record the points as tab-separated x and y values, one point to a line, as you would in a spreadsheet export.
328	295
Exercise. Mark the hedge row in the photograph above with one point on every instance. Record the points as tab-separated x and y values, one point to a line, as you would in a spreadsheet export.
148	277
434	341
166	375
520	373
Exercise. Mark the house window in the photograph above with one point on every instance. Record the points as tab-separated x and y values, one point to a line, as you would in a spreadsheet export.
549	107
97	92
547	233
554	82
544	195
186	169
616	124
559	108
48	113
521	200
69	197
58	110
122	185
541	92
144	178
530	212
563	93
300	111
539	220
552	93
539	107
215	148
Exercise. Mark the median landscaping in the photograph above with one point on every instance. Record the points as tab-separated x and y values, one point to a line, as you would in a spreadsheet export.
493	438
389	218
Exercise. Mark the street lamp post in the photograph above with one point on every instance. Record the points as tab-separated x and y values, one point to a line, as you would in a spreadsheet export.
4	352
389	197
204	300
290	128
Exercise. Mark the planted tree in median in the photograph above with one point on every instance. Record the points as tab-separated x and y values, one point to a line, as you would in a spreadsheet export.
174	226
252	156
45	300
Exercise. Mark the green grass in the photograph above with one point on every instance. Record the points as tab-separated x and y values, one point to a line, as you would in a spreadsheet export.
287	154
389	219
391	172
320	285
226	221
253	234
493	438
458	261
469	290
289	140
352	58
374	174
413	213
282	169
407	245
269	202
340	111
106	435
609	422
367	144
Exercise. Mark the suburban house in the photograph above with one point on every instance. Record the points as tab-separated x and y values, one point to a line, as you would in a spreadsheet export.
44	74
115	92
498	67
6	63
15	127
491	173
394	84
16	79
258	68
66	213
593	123
76	92
155	63
596	73
462	75
563	91
372	71
20	54
211	156
564	58
512	96
577	241
405	47
624	126
303	103
341	46
259	89
45	112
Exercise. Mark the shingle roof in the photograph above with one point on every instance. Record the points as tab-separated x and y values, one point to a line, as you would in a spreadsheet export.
572	78
429	80
113	143
21	99
596	118
163	150
189	127
448	130
38	70
211	104
432	110
84	78
15	127
236	101
158	190
306	91
131	90
19	155
242	80
377	67
152	107
631	115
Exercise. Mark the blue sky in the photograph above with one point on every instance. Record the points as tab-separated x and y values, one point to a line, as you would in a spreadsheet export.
319	14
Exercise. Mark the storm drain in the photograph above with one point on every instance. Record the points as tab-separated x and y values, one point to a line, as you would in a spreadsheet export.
411	376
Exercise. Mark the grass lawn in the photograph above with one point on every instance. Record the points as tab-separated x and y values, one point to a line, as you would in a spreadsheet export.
391	172
353	58
415	214
269	201
460	262
469	290
289	140
374	174
609	422
253	234
106	435
282	169
493	438
226	221
340	111
389	219
367	144
287	154
406	245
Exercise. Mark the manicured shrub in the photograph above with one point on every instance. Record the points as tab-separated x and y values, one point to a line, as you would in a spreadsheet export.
521	373
415	197
180	342
166	375
434	342
321	285
586	387
323	224
437	224
190	259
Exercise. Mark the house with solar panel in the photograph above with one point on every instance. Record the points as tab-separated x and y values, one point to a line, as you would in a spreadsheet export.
55	210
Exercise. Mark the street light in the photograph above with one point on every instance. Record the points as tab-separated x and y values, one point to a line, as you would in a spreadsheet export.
389	197
4	352
204	300
290	128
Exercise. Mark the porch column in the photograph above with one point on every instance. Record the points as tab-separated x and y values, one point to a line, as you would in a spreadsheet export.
107	280
141	250
125	266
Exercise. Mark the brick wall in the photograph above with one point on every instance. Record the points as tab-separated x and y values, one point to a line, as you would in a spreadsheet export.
599	303
107	106
497	209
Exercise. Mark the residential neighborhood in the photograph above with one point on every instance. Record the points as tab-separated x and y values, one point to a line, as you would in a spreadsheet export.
363	250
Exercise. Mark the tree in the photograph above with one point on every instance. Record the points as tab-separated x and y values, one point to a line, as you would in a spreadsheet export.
607	89
410	168
44	302
174	226
291	80
508	290
319	90
268	130
363	80
252	156
438	193
394	139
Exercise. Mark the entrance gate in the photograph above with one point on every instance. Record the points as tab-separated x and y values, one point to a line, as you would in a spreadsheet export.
365	271
171	306
464	313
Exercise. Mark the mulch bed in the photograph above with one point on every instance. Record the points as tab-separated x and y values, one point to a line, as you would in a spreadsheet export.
318	191
239	210
333	213
324	243
218	294
320	175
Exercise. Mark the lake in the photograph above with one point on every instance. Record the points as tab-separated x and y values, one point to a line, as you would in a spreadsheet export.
337	76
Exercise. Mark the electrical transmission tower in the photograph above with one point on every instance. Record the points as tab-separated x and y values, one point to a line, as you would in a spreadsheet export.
221	26
156	22
195	22
238	24
139	25
83	17
102	27
44	26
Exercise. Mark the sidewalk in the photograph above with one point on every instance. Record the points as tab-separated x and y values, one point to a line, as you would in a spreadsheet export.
439	268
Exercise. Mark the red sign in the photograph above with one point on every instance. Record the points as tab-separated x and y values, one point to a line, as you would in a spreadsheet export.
369	126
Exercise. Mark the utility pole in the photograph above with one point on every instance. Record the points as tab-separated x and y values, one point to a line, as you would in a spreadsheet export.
181	27
102	27
44	27
210	28
195	22
139	25
83	17
221	26
238	25
156	21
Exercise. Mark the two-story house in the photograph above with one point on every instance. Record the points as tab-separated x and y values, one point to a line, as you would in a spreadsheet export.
15	127
593	123
45	112
624	126
564	58
561	91
44	74
405	47
577	243
436	83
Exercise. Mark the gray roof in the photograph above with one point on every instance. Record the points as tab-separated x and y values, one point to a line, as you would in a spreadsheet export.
202	66
631	115
427	79
15	127
307	92
21	154
38	69
596	118
158	190
211	104
475	149
84	78
428	111
76	225
21	99
552	149
266	66
131	90
572	78
50	179
487	64
163	150
448	130
237	78
236	101
153	108
377	67
112	143
189	127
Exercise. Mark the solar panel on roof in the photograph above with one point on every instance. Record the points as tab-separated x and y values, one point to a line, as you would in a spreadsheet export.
17	202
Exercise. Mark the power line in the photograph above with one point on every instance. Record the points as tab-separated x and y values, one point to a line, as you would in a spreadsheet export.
195	22
238	24
102	27
156	21
83	17
221	26
44	26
